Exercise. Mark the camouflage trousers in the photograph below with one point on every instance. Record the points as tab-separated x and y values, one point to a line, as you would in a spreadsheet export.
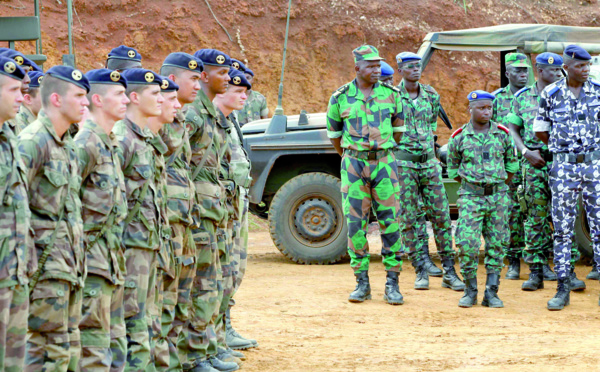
227	283
487	216
197	340
422	193
14	307
367	183
118	331
516	218
240	243
159	345
568	181
54	342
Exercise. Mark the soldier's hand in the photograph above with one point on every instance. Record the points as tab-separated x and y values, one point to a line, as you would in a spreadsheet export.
535	158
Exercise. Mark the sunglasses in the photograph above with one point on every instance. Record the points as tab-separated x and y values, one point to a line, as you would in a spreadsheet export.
410	66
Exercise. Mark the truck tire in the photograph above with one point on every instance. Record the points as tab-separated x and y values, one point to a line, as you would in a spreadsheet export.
306	219
582	233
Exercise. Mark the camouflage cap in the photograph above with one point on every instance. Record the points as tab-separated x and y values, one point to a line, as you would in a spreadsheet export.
366	53
516	60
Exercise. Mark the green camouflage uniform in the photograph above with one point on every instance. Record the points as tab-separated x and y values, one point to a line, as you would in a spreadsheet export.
420	176
482	160
207	138
55	302
22	120
254	108
366	126
104	210
16	256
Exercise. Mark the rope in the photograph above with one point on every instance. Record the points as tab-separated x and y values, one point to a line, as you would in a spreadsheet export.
215	17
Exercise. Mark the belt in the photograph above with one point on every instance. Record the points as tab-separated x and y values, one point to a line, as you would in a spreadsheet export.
577	158
402	155
546	155
481	190
367	155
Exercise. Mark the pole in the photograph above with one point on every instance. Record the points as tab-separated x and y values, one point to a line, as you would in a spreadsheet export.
70	22
279	108
38	42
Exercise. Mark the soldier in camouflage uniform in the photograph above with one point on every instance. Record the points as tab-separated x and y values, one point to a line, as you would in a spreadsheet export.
141	237
568	121
24	63
535	193
104	210
420	174
54	182
15	218
32	101
255	107
517	72
123	58
482	159
364	122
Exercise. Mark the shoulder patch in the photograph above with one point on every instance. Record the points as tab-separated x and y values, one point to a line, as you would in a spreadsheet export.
457	132
595	82
341	90
430	89
552	91
497	91
502	127
391	87
522	90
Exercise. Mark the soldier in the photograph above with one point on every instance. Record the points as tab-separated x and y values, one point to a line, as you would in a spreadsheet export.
535	193
364	123
517	72
123	58
26	64
255	107
183	69
481	158
567	122
54	182
140	236
387	74
420	174
17	252
104	209
32	102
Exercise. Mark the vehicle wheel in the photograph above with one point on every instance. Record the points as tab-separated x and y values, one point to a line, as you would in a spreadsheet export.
306	219
582	233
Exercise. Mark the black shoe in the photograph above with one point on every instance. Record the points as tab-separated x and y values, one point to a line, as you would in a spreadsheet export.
422	279
392	293
469	298
490	296
450	279
549	275
536	279
430	267
362	291
222	366
514	269
562	297
576	284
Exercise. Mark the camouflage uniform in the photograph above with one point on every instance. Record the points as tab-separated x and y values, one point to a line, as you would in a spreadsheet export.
22	120
55	307
254	108
575	144
104	210
369	172
482	160
17	255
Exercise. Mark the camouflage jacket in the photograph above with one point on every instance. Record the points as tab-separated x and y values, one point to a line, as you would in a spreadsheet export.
254	108
365	124
180	188
17	252
104	201
523	112
160	180
207	139
54	183
137	159
483	159
420	119
573	123
501	105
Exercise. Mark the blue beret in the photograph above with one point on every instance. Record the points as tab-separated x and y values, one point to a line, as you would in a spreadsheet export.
141	76
238	79
106	76
126	53
36	78
577	52
9	67
167	85
213	57
19	58
480	95
386	70
407	57
70	75
238	65
249	72
551	59
184	61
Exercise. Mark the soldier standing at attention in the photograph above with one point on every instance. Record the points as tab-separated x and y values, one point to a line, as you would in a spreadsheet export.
15	217
364	122
54	183
255	107
32	101
420	174
482	159
27	65
517	72
123	58
568	122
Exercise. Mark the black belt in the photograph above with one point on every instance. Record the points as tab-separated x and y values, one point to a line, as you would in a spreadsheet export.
402	155
577	158
367	155
486	190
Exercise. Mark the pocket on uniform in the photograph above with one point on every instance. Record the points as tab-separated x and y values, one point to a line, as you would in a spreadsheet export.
48	308
130	299
95	310
203	248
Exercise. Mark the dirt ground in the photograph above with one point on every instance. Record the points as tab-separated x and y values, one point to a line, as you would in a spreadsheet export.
303	322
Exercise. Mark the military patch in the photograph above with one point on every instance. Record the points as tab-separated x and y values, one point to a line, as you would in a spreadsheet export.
237	80
149	77
19	60
40	79
115	76
76	75
10	67
502	127
550	60
473	95
341	90
458	131
524	89
391	87
165	84
220	59
192	64
131	54
236	65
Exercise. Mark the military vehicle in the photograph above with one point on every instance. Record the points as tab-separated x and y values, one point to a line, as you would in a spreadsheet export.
296	170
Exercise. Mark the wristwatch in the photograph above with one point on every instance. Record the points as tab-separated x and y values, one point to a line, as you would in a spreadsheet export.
524	151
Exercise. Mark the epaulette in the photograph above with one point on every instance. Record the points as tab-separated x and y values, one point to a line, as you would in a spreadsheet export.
502	127
430	89
497	91
524	89
553	89
396	89
457	132
595	82
341	90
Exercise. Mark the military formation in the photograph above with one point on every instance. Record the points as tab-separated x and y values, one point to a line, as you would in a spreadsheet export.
526	156
124	212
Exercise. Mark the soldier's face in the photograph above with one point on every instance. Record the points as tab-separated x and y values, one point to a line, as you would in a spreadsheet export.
114	102
234	98
150	101
10	98
169	107
73	104
189	85
25	84
481	111
549	74
517	76
578	70
250	78
33	101
368	71
216	78
411	71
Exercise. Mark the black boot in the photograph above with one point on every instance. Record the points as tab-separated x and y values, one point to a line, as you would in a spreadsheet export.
576	284
422	279
469	299
450	279
432	270
536	279
562	297
514	269
490	296
362	291
593	275
392	293
549	275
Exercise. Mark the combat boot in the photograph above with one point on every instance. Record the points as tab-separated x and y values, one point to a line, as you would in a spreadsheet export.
225	356
514	269
204	366
392	293
236	354
233	339
593	275
450	279
490	296
469	298
536	279
576	284
222	366
562	297
432	270
362	291
422	279
549	275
